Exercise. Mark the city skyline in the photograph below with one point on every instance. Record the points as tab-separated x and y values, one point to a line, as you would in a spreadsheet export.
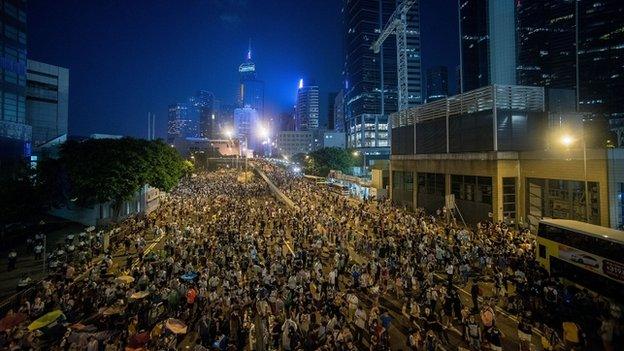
154	40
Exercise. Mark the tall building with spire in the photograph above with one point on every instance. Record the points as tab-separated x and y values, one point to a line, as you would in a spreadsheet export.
251	89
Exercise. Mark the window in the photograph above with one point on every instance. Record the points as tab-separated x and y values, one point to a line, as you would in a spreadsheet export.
472	188
601	247
620	197
431	183
542	251
10	32
509	198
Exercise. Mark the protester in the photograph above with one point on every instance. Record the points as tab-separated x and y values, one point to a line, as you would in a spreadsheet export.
241	270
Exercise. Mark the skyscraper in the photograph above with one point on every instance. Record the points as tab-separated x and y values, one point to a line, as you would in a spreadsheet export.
437	83
47	101
488	43
205	105
15	133
545	52
177	122
307	107
245	120
474	44
331	101
339	121
414	74
601	59
546	43
251	90
370	90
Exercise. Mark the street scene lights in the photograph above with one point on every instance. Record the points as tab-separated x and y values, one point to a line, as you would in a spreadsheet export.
567	140
265	135
229	133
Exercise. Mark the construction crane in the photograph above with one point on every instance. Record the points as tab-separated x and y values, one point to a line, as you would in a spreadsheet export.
397	24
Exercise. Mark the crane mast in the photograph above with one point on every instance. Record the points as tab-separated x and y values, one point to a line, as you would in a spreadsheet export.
397	25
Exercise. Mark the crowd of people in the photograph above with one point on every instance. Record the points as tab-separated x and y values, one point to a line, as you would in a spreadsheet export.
222	264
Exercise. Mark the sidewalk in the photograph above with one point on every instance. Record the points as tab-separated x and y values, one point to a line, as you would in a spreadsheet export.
26	263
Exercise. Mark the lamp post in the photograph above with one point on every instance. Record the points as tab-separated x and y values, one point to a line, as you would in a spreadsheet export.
356	154
568	140
229	133
266	136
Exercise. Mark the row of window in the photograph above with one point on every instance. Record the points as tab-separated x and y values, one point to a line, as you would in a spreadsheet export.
13	108
594	245
472	188
431	183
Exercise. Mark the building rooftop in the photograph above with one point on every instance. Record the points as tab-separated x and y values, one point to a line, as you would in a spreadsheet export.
504	97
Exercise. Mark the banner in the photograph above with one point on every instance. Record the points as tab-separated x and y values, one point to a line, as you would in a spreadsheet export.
597	264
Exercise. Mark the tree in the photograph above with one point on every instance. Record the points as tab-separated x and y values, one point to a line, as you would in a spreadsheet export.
321	161
103	170
20	199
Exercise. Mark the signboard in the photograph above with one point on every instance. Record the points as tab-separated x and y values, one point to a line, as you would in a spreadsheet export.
597	264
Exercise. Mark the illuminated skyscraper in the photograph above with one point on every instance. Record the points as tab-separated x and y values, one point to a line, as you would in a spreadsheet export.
251	90
437	83
15	133
371	80
205	104
487	43
178	122
307	117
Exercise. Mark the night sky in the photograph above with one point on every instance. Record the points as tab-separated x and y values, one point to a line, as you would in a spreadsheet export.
128	58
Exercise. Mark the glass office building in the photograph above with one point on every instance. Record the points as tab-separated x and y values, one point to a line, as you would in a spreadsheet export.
370	86
15	133
47	101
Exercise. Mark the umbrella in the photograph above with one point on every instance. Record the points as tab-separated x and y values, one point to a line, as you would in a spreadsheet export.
9	321
139	295
138	340
45	320
125	279
112	310
189	276
176	326
83	328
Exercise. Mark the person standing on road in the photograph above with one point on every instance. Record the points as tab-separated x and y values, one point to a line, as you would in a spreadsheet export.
12	260
473	331
360	323
474	293
38	250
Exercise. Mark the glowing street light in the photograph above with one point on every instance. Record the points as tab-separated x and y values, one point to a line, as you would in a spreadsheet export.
263	132
567	140
229	133
356	153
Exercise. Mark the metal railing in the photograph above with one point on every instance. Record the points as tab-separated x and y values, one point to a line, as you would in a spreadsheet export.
503	97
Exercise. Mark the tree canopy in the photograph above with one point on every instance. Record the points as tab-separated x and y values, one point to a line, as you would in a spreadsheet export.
321	161
102	170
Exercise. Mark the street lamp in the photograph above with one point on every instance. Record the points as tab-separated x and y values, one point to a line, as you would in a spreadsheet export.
567	140
229	133
356	153
265	134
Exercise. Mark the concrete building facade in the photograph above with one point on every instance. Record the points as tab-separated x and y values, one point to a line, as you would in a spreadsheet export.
47	101
15	132
290	143
492	151
307	115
